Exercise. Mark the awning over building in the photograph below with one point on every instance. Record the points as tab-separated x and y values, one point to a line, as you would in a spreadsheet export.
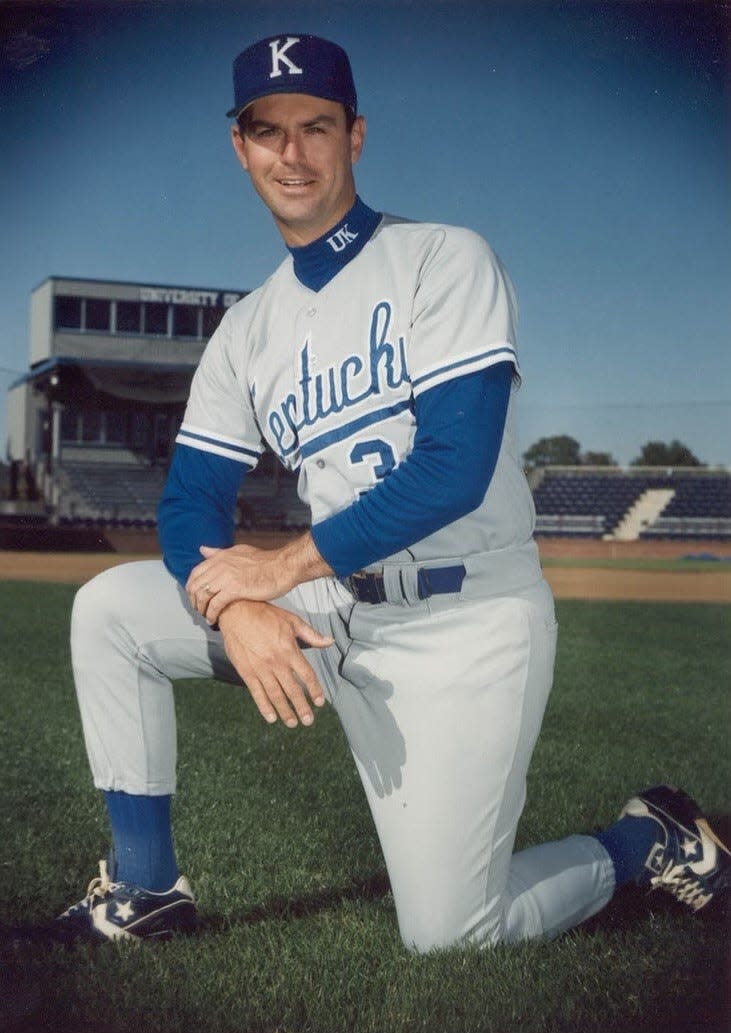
72	380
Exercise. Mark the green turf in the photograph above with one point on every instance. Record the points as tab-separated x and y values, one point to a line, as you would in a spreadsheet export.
298	928
673	564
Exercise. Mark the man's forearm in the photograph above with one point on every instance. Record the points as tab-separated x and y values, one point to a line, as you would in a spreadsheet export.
301	560
246	572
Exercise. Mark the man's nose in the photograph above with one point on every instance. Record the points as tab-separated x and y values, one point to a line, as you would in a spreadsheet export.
292	148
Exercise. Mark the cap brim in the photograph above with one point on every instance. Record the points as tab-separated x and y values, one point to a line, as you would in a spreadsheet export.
235	112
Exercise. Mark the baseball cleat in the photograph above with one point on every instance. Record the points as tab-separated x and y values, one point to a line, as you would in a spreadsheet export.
123	911
687	859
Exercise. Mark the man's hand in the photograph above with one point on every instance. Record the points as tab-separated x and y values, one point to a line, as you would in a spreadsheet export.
261	641
245	572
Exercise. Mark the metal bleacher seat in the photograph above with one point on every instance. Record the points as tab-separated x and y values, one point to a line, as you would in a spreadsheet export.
582	505
594	504
108	494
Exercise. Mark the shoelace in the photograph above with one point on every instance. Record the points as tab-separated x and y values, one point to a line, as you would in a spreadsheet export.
98	887
683	886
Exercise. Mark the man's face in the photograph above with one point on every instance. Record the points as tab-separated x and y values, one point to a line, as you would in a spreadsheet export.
299	155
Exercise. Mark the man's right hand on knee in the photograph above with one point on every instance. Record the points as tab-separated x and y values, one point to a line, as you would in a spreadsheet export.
262	641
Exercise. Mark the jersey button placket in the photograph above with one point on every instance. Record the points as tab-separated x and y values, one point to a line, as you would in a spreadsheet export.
306	316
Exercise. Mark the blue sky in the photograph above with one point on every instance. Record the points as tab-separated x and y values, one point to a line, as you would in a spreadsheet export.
589	143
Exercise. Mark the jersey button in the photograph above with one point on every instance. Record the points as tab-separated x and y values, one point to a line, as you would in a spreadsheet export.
320	464
311	311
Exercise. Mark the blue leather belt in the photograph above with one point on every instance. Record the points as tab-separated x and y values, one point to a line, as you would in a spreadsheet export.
370	588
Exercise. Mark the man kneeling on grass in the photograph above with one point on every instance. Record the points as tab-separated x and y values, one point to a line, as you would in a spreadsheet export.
379	361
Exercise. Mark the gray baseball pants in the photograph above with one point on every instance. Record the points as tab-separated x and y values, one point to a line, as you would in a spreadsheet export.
441	702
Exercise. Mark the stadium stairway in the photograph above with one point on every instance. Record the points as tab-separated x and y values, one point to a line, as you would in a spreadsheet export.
642	504
642	514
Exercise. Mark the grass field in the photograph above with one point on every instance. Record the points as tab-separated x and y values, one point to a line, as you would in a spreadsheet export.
298	929
676	564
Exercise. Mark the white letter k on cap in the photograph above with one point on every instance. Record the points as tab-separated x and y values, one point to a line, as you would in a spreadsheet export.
279	53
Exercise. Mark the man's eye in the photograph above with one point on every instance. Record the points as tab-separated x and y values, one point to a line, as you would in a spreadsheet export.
261	132
315	129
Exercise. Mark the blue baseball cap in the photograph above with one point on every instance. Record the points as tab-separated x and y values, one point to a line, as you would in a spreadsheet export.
293	64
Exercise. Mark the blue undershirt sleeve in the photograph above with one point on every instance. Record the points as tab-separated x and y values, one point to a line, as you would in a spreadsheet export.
459	430
197	507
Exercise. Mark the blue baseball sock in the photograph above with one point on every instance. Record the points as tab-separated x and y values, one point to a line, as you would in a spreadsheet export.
143	840
628	842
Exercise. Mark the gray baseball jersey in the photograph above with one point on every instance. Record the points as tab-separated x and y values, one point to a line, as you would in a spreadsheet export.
328	379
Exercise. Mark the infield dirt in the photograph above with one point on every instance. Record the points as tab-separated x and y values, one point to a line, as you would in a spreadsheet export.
585	582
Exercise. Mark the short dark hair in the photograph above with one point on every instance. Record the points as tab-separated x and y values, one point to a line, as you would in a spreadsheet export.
244	118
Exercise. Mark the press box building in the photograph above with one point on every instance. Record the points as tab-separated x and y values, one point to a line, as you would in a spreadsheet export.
95	416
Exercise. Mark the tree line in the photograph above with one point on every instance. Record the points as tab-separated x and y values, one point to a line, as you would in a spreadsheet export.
563	450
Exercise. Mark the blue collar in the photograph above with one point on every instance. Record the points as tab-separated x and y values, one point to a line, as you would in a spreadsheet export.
317	263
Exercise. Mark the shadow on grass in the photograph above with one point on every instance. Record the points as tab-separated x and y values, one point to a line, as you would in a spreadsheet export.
22	995
627	908
374	888
631	905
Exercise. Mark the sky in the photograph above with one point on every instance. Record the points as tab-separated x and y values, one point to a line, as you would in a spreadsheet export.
589	143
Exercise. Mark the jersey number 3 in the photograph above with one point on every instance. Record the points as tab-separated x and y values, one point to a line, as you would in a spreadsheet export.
377	454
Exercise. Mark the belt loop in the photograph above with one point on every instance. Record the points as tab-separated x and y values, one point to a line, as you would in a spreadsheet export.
392	586
408	584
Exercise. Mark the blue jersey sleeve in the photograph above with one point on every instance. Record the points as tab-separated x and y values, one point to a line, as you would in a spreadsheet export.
459	430
197	507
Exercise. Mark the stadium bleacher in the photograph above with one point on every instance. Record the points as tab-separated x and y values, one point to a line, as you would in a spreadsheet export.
123	495
592	504
112	495
700	508
569	502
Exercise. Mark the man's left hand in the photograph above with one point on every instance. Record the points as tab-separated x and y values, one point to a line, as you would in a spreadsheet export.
246	572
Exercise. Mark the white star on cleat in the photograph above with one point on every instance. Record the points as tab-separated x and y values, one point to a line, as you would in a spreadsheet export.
124	911
689	847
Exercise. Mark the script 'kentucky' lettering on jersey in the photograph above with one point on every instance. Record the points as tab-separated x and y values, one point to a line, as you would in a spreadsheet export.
328	378
348	382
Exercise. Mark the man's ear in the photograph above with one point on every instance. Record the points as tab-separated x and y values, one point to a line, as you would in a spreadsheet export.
239	146
357	138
